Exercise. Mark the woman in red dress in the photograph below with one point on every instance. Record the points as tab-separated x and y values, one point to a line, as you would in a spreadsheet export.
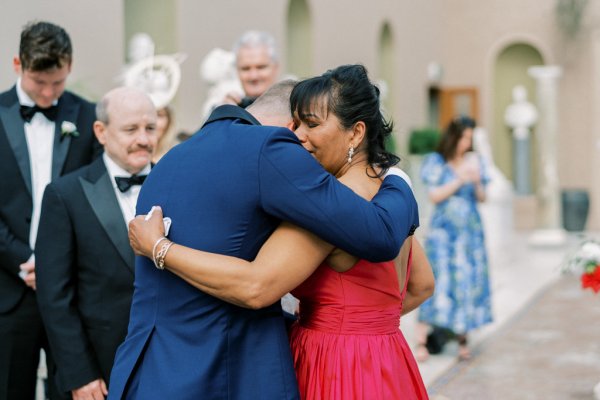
346	343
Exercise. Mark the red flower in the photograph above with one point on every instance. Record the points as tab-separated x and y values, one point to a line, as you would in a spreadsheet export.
591	280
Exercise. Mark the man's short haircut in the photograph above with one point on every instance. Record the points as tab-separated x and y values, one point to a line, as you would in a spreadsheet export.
44	46
275	101
102	110
256	39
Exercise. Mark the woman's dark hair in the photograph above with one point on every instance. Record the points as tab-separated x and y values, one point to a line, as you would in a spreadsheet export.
452	134
347	92
44	46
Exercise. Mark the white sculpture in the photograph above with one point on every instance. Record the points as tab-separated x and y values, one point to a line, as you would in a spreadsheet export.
520	115
496	211
157	75
218	70
499	187
140	46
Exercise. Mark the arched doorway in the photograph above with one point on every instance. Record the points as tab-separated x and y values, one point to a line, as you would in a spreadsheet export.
158	20
298	50
510	70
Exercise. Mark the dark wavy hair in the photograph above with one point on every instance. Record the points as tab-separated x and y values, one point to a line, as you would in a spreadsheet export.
347	92
452	134
44	46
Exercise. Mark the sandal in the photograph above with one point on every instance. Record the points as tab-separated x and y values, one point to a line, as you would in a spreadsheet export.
464	353
421	353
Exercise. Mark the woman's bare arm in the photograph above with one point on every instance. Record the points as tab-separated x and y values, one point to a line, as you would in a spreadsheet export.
421	282
286	259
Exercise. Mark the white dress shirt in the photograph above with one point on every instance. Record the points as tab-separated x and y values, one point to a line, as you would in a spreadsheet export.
127	200
39	133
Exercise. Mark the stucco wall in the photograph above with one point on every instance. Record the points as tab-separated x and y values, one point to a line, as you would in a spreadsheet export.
96	30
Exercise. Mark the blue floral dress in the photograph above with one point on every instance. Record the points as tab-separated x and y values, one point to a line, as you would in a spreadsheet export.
456	249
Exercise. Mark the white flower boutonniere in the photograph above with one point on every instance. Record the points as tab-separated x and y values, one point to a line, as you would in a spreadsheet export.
68	129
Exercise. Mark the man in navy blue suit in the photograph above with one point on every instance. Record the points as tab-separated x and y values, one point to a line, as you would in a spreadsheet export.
226	189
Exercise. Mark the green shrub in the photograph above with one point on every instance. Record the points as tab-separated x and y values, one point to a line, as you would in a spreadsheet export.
423	141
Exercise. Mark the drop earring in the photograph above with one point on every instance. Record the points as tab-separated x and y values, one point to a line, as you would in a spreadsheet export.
350	154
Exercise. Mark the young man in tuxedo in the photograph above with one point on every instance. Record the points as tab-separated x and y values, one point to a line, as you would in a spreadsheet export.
45	132
85	278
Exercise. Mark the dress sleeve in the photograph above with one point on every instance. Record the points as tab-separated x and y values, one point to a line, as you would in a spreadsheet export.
295	188
432	169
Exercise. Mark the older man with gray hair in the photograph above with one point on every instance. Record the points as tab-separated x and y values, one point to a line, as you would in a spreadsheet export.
85	265
257	66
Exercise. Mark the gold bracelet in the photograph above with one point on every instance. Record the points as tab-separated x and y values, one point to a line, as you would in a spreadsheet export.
159	262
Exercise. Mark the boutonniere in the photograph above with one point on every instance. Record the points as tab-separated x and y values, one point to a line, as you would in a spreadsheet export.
68	129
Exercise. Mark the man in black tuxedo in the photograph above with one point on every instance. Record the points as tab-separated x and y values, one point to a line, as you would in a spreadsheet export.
45	132
85	264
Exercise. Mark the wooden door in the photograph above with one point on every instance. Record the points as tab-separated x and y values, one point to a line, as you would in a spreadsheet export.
457	101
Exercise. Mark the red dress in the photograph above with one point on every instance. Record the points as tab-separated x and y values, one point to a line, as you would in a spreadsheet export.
347	343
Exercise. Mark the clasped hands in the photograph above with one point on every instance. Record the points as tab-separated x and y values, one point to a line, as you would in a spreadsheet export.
145	230
468	173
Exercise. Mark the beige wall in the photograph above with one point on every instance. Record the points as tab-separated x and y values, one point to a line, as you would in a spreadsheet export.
96	30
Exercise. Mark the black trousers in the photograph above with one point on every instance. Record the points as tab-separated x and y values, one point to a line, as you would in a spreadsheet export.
22	336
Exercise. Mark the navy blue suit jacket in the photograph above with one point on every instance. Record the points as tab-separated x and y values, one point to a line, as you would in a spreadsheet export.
226	189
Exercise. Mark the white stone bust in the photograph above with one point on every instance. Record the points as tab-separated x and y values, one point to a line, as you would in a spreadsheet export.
140	46
157	75
520	115
219	72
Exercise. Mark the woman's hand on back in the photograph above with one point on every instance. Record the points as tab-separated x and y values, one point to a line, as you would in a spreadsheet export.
144	232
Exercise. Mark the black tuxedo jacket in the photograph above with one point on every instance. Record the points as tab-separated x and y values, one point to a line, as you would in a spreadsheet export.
69	153
84	274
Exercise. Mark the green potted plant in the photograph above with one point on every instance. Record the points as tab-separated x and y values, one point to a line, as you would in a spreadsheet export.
423	140
420	142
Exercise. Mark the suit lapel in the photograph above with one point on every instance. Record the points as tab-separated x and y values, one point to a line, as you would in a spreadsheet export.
101	196
67	111
15	133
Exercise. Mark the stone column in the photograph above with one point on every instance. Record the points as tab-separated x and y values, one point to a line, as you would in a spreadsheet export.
549	229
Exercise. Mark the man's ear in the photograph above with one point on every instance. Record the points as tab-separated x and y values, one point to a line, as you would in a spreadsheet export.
100	132
17	66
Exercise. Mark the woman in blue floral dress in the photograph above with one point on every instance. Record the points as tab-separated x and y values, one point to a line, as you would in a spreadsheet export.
456	180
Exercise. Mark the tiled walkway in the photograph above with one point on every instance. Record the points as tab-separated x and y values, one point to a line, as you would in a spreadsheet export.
535	307
549	351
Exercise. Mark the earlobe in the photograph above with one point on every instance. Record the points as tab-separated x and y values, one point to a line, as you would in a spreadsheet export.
17	64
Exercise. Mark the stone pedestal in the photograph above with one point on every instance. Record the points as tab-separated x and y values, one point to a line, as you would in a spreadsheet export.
521	166
549	229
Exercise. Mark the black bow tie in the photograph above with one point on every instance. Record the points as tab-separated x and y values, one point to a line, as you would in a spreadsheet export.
125	183
28	112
